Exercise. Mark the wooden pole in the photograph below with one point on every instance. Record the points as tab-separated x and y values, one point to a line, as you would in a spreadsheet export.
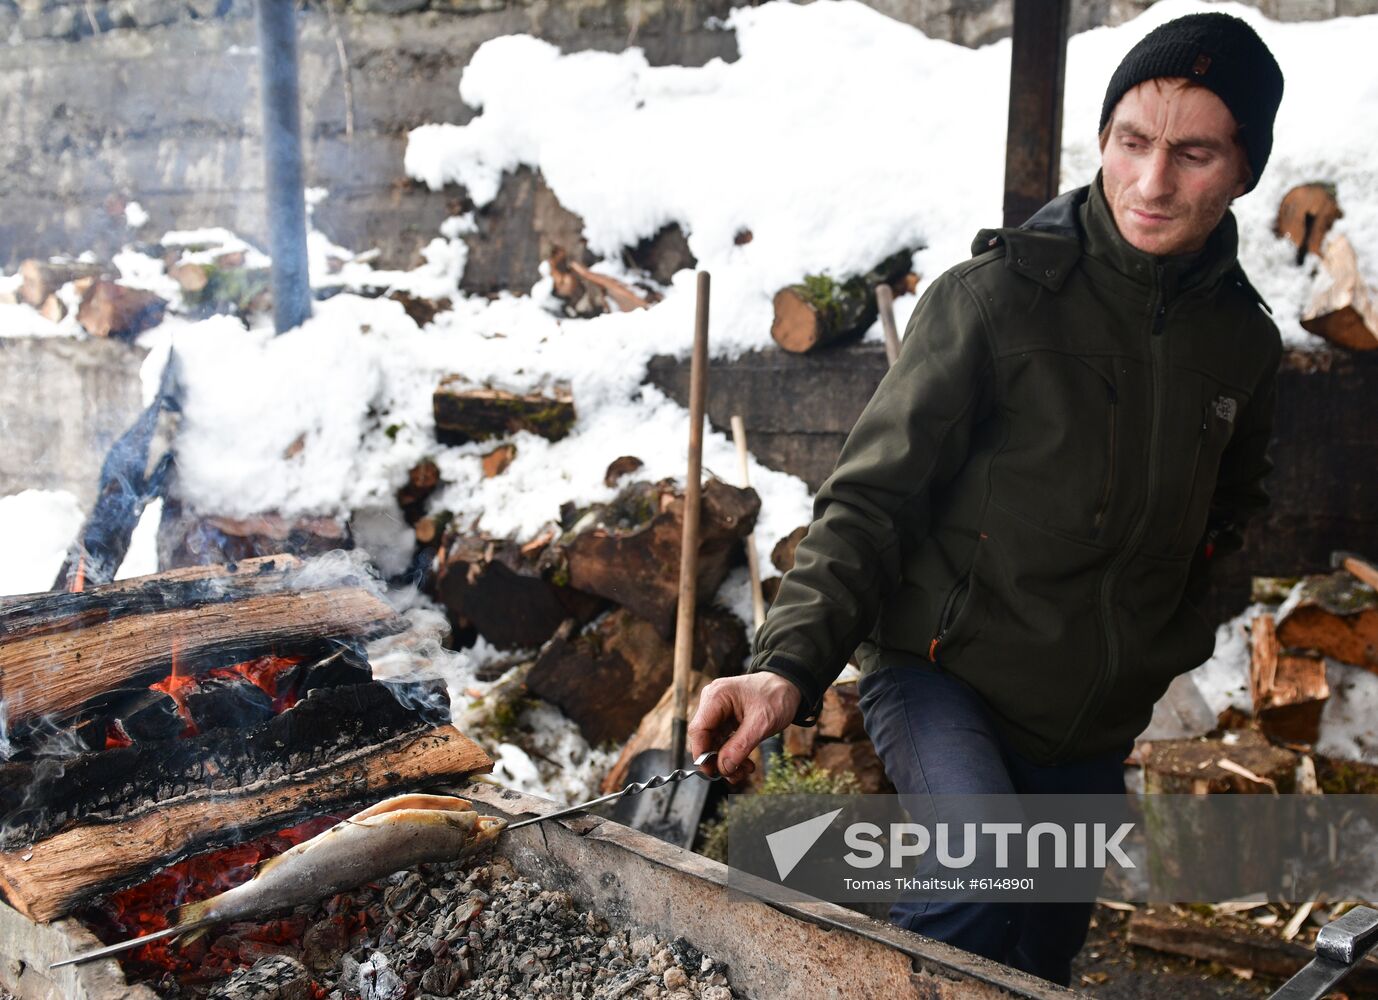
885	300
689	546
1033	144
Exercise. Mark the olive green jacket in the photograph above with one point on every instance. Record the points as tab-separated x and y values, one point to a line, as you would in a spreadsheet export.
1031	496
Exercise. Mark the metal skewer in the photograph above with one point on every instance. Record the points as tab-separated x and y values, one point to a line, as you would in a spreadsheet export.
635	788
115	949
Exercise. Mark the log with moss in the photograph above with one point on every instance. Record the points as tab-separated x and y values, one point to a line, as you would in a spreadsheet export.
823	310
465	412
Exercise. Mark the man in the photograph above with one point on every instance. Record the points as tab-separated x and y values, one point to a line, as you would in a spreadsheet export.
1017	535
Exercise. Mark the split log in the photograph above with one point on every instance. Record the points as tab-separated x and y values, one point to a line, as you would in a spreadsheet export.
508	594
430	528
619	467
799	741
840	716
226	286
582	300
822	310
609	677
622	296
495	463
1342	308
782	556
626	550
422	481
112	310
1288	689
475	413
653	733
59	665
1233	944
53	309
115	855
1336	616
42	278
1305	215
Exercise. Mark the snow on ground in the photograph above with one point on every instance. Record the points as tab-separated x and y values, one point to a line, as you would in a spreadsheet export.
36	528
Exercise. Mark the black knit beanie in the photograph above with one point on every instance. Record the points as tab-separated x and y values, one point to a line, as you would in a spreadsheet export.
1222	53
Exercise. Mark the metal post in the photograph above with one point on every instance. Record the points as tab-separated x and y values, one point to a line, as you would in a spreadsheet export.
282	156
1033	144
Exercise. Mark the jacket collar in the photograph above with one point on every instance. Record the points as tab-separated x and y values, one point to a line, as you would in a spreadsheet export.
1047	247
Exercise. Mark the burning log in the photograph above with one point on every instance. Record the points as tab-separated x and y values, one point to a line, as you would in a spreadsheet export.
506	592
1305	215
476	413
822	310
61	654
1289	689
621	551
608	678
1342	309
60	872
112	310
1335	615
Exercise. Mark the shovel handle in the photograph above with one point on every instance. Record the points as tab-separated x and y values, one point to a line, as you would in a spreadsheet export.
689	541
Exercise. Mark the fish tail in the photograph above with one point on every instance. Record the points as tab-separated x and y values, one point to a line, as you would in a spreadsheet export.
192	916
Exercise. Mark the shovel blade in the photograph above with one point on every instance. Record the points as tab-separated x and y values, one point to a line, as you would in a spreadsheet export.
670	813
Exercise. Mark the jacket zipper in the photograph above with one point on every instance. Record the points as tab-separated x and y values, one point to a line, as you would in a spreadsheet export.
1110	472
945	616
1105	681
1195	472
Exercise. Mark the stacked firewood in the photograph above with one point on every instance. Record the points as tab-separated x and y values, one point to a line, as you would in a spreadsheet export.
104	307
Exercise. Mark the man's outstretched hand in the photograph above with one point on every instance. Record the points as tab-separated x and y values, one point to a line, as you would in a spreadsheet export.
736	713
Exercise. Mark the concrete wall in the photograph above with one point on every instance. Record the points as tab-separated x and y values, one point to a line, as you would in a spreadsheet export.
63	402
168	115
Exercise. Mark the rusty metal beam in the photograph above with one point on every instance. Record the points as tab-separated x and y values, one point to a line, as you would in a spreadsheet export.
1033	143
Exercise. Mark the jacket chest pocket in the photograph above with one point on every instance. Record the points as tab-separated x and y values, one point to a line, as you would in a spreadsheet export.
1217	411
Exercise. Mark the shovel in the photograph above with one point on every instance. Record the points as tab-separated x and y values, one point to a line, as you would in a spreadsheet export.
672	812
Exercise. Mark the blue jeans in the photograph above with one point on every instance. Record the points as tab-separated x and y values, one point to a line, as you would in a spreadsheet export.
935	736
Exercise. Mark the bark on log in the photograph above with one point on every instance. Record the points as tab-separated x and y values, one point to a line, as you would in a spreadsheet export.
608	678
112	310
1334	615
1289	690
464	412
782	556
582	300
822	310
840	716
627	550
506	593
1232	944
59	665
653	733
1343	309
1305	215
1193	767
43	882
619	467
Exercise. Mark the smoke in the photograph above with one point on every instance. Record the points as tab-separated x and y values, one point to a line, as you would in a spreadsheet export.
338	568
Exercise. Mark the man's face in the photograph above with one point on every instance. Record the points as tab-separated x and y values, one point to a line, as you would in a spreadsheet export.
1171	165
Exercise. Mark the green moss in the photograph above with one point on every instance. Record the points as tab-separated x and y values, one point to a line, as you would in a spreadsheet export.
785	775
392	430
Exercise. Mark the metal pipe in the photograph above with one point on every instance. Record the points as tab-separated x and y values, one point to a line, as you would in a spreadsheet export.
282	160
